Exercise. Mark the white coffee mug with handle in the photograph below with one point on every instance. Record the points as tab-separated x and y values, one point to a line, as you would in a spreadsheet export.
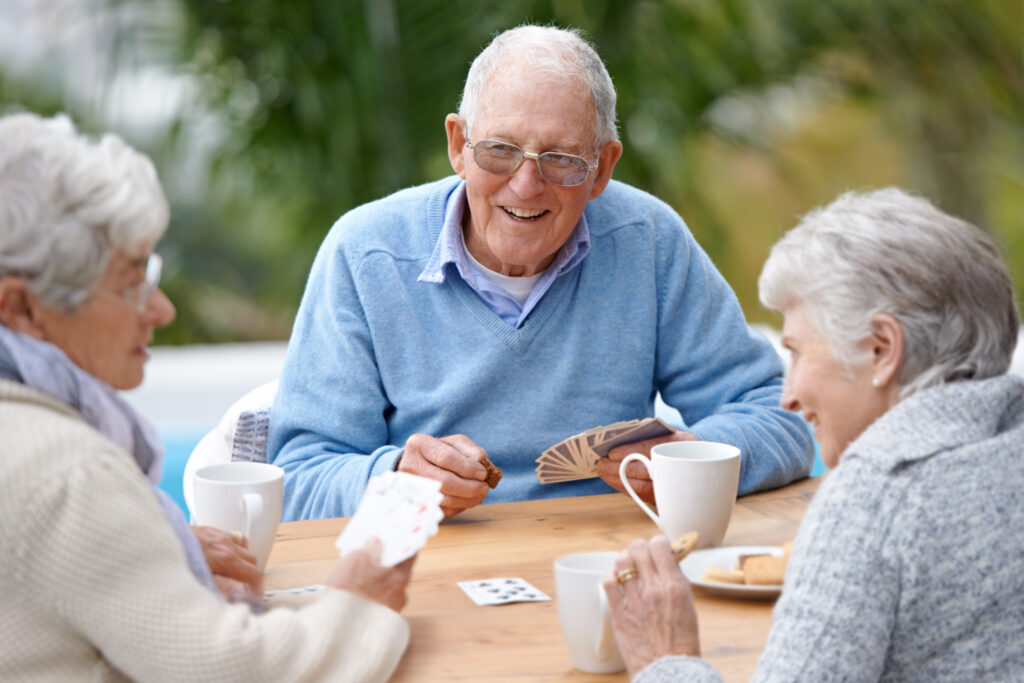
243	497
695	486
583	611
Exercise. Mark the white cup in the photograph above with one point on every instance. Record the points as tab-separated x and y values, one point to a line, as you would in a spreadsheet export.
694	487
583	611
243	497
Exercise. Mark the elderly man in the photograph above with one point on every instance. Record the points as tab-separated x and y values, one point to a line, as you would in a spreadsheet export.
523	300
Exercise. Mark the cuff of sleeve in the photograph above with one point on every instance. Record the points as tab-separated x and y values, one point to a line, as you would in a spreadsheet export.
678	668
386	461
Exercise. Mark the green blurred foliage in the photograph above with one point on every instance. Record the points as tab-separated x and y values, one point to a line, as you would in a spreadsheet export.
742	114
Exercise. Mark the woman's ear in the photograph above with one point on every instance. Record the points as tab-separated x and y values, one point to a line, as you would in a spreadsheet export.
886	349
19	307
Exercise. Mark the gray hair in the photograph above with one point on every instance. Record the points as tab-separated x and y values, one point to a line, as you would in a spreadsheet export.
552	52
890	252
67	204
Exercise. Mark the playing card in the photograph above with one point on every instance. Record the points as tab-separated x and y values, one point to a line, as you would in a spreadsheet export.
644	429
576	457
401	509
501	591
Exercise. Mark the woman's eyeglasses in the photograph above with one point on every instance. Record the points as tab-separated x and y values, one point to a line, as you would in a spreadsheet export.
138	295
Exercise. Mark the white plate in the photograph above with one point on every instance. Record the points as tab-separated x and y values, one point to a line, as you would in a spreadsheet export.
726	557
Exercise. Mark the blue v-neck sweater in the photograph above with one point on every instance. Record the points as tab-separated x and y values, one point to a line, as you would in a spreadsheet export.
377	355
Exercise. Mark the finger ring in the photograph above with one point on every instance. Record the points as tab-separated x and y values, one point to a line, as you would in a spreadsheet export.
626	575
237	535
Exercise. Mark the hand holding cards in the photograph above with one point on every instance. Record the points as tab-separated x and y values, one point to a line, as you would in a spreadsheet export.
576	457
401	509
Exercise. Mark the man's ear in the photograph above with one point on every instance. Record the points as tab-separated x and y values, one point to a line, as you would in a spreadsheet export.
19	307
886	346
453	126
606	161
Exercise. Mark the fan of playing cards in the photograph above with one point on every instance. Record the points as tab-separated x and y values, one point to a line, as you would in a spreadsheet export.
576	457
401	509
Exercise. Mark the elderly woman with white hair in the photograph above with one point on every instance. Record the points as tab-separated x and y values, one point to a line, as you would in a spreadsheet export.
101	578
901	324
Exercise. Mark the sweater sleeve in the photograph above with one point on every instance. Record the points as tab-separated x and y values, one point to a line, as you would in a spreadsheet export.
839	604
96	552
724	378
674	669
328	429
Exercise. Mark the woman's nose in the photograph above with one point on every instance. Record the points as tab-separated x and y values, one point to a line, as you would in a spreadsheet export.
159	309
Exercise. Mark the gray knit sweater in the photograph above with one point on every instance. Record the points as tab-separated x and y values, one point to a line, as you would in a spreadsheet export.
909	565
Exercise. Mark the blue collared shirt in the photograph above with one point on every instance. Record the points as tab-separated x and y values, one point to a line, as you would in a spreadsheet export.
451	248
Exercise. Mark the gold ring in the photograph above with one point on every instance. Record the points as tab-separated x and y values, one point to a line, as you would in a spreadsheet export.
626	575
237	535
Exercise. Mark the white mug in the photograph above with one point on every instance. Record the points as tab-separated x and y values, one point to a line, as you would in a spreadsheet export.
583	611
695	486
243	497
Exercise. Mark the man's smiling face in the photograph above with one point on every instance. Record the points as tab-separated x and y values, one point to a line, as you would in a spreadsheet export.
516	223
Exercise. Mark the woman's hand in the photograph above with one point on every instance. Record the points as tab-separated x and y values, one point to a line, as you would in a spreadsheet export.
361	572
232	565
653	613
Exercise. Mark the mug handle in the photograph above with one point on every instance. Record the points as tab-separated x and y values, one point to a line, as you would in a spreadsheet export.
629	489
604	650
252	506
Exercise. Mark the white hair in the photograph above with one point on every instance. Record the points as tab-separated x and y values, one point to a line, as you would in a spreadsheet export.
551	52
890	252
68	203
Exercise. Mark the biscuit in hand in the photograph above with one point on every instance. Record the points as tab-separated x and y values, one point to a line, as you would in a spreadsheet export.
493	471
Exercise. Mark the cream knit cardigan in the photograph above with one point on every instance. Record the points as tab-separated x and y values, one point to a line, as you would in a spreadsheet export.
95	587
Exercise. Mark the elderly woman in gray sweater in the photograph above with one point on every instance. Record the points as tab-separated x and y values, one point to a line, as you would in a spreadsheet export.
901	324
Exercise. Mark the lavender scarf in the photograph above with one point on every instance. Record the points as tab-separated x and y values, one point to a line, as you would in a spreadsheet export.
45	367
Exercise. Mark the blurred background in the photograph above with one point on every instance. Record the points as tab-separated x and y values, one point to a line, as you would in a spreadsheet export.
268	119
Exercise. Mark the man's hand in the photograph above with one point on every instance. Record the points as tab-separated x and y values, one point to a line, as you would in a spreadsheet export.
453	461
232	565
639	479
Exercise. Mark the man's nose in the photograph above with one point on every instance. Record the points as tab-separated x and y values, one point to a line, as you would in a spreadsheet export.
527	180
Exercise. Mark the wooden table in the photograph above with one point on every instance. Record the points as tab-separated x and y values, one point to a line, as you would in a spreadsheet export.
455	640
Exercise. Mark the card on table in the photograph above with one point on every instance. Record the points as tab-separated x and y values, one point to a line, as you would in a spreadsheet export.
576	457
401	509
502	591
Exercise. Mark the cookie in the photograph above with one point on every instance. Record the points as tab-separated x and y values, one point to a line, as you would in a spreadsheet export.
722	575
766	570
742	562
493	471
682	546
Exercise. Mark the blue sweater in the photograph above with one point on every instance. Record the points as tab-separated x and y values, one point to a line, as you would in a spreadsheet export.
376	356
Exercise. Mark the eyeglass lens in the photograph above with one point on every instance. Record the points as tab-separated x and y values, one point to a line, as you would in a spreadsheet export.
139	295
505	159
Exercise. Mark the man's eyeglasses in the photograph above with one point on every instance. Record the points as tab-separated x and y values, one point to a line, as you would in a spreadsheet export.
504	158
138	295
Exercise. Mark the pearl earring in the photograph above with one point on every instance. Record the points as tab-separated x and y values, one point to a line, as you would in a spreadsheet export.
876	382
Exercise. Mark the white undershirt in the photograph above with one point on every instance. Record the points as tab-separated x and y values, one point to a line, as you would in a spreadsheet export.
519	288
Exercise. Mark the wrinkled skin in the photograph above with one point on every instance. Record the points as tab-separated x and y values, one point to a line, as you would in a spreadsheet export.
451	460
639	478
233	567
653	615
361	572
